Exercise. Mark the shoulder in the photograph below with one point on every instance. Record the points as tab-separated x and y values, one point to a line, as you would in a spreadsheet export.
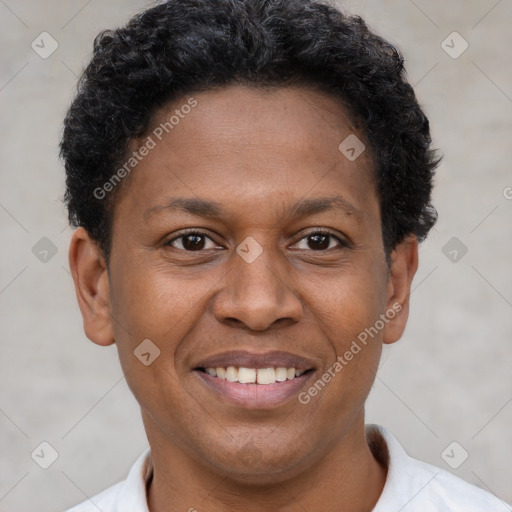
416	486
127	495
104	501
447	492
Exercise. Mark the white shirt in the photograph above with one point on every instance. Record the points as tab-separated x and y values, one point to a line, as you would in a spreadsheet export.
411	485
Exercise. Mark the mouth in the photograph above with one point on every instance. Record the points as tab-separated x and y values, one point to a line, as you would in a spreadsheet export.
255	381
261	376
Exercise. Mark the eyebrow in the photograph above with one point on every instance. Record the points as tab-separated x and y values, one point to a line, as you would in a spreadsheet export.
301	208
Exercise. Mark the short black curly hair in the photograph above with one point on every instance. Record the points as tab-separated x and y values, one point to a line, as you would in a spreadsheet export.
184	46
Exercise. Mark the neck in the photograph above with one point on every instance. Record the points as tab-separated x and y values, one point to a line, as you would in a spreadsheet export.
346	478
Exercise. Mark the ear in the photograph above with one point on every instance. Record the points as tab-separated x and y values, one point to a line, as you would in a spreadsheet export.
404	263
92	287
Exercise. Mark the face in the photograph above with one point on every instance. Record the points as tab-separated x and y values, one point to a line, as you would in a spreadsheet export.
246	239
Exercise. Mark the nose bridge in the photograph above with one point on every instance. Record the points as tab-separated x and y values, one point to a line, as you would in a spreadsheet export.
257	269
257	291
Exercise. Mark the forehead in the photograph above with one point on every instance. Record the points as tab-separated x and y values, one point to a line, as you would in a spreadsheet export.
238	147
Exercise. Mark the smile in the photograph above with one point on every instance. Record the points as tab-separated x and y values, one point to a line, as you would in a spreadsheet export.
262	376
254	380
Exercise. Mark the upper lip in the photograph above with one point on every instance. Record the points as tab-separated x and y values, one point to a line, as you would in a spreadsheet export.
241	358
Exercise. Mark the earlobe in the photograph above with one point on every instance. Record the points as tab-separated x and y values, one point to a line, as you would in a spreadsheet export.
404	263
92	287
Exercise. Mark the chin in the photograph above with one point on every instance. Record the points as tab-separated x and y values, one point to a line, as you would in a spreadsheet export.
260	464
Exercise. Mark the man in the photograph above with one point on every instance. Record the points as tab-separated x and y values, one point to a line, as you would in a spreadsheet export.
250	180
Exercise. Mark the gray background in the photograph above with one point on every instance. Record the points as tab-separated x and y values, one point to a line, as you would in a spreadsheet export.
447	380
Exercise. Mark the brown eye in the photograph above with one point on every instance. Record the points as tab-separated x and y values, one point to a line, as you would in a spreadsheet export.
191	241
321	241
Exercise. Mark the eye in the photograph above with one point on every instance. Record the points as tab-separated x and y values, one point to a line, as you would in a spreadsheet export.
195	240
191	241
321	241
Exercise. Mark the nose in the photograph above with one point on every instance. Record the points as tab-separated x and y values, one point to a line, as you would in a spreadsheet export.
257	295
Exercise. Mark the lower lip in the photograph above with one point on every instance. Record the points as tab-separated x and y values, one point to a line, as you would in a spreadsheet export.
255	396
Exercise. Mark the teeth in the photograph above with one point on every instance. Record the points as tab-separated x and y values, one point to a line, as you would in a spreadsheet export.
253	375
231	374
246	375
281	374
266	376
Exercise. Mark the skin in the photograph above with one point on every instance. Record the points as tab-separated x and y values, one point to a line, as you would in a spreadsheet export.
256	152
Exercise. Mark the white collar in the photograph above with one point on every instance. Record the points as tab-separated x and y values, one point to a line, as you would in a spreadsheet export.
410	484
132	495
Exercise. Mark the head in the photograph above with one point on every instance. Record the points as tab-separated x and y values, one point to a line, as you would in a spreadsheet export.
301	168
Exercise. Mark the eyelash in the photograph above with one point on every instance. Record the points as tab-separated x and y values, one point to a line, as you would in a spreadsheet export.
196	231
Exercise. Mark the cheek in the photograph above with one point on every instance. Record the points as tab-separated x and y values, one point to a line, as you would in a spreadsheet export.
152	313
349	316
152	303
349	303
